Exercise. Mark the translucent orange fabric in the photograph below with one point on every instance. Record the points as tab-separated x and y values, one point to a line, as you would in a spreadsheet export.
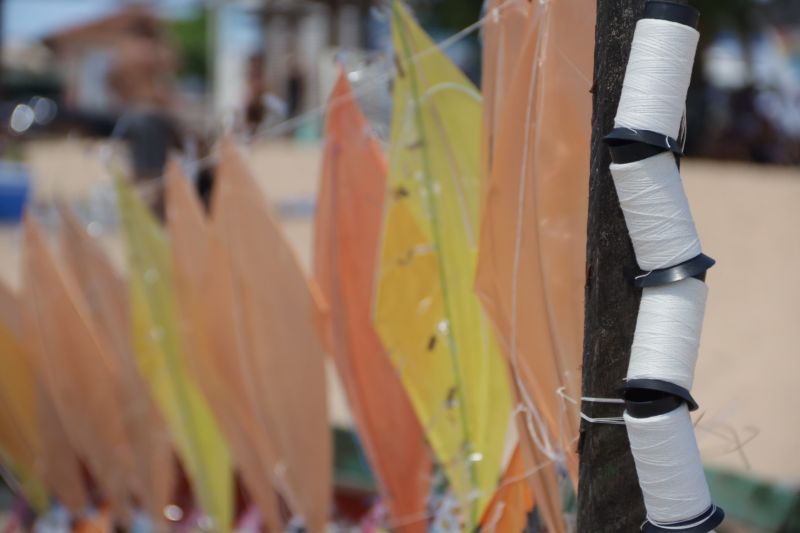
277	314
533	237
508	512
347	237
79	370
504	32
59	460
213	346
107	302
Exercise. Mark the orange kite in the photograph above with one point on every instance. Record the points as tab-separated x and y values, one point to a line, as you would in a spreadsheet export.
347	238
277	311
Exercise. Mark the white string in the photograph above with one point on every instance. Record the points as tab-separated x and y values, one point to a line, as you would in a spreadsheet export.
562	392
611	420
669	467
601	400
656	211
667	334
657	77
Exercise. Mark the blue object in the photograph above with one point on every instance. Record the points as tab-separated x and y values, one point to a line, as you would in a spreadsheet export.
14	191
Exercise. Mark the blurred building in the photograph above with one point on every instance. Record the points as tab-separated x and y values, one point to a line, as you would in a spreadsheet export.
115	60
294	49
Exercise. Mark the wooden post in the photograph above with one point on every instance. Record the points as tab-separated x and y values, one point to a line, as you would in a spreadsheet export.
609	499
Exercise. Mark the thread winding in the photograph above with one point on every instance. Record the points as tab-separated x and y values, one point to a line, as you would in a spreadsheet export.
657	77
663	234
656	211
669	467
667	335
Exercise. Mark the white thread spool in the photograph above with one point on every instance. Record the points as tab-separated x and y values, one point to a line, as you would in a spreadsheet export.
669	467
657	77
656	211
667	334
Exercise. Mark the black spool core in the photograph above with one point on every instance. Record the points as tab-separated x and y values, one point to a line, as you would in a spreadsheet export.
627	145
709	520
672	11
644	403
653	390
696	267
631	151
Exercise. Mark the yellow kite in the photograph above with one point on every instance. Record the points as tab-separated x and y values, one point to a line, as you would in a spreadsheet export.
158	346
427	314
20	438
347	236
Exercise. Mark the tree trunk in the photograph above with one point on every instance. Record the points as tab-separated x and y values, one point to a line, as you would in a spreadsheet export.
609	499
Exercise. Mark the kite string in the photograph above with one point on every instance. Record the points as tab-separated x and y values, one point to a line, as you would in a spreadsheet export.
613	420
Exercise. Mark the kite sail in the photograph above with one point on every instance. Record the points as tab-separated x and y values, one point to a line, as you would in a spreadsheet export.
504	29
426	313
278	311
158	348
20	438
347	236
205	296
107	301
513	500
531	266
79	370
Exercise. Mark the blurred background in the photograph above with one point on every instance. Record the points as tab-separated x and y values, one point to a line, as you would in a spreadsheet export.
87	82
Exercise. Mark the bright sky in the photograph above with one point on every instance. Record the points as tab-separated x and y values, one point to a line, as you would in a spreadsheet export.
28	19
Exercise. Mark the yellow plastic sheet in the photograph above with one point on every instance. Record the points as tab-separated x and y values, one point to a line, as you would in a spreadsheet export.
278	311
107	301
158	348
427	314
347	236
20	438
531	267
209	329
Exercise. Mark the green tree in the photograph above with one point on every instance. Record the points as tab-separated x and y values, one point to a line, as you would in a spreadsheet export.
191	37
448	14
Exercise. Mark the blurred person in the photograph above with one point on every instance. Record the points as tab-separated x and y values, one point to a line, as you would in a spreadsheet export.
142	80
295	87
255	109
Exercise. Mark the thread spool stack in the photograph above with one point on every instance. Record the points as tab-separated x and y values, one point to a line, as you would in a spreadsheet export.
644	149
